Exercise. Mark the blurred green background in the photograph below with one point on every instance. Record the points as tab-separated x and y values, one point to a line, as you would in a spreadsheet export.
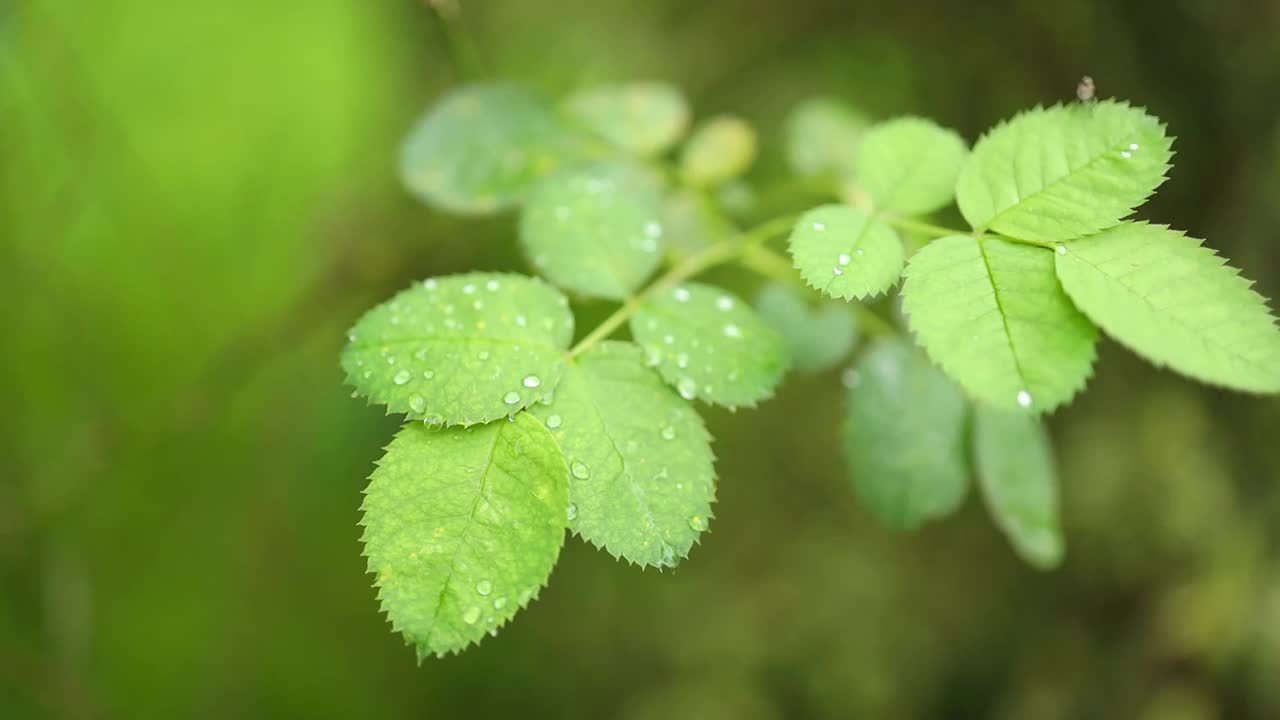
197	199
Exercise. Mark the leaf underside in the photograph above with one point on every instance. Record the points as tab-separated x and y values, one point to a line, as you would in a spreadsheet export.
1019	484
845	253
1058	173
462	527
1175	302
909	165
822	136
461	349
903	437
993	315
643	118
594	229
642	476
481	147
710	345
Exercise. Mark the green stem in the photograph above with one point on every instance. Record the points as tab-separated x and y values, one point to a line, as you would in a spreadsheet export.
922	227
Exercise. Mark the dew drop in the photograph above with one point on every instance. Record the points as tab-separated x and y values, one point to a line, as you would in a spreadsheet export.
471	616
531	381
421	354
391	359
698	523
819	226
1133	146
668	339
401	377
522	321
580	471
1126	154
687	388
859	252
682	360
553	421
844	259
492	285
511	398
469	288
724	302
732	331
428	374
417	403
573	511
653	230
499	603
429	284
1061	249
367	374
484	587
837	271
681	294
1024	398
668	433
483	354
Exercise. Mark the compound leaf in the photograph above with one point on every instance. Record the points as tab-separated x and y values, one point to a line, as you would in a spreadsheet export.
481	147
909	165
462	527
1176	303
594	229
993	315
710	345
642	477
1019	484
903	436
1062	172
822	136
817	337
720	149
461	349
643	118
845	253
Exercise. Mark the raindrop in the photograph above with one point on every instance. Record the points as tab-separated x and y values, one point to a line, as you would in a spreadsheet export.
724	302
698	523
819	226
682	360
687	388
1133	146
391	359
428	374
469	288
1061	249
844	259
1024	398
573	511
367	374
511	398
732	331
531	381
668	339
484	587
837	271
580	471
859	252
417	403
499	603
492	285
1126	154
421	354
483	354
553	421
471	616
429	284
653	230
401	377
681	294
521	320
668	433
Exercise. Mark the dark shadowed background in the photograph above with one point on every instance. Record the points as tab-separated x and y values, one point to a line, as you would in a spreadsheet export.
198	198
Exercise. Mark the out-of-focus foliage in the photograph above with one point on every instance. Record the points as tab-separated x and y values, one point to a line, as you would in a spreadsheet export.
196	200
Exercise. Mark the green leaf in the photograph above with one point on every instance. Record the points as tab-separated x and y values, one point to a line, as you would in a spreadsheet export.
845	253
1065	171
1176	303
643	118
903	436
817	338
822	136
720	149
1019	483
461	349
640	458
691	223
910	165
481	147
710	345
595	229
994	317
462	528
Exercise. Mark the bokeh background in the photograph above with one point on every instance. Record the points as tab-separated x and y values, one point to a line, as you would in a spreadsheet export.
197	199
